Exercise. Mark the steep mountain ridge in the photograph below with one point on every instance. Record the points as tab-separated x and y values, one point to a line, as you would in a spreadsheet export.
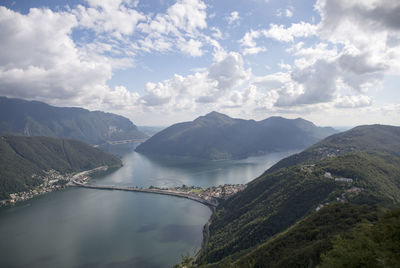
33	118
218	136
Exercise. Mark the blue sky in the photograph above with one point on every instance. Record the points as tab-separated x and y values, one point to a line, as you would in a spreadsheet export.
160	62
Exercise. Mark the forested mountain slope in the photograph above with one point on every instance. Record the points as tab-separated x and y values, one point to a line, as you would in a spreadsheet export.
21	157
360	167
218	136
33	118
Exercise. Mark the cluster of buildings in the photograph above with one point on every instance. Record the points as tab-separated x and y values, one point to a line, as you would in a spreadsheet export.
342	198
51	181
219	192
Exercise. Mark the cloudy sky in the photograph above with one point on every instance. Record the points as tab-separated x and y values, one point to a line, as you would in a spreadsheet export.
159	61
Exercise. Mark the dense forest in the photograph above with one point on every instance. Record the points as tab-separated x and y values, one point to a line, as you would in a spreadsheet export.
21	157
304	210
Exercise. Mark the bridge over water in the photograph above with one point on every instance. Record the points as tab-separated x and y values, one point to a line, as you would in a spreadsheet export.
212	203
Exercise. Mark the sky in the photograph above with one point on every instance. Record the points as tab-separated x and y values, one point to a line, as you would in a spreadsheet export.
159	62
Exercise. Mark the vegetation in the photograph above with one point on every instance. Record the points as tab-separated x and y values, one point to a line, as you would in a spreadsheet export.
379	138
369	245
276	220
32	118
217	136
22	157
302	244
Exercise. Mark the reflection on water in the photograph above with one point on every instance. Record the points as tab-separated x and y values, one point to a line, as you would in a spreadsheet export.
93	228
144	171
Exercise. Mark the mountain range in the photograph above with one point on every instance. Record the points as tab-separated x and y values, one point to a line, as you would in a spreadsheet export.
33	118
292	214
218	136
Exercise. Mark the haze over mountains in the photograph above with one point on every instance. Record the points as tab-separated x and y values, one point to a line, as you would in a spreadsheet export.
33	118
277	221
218	136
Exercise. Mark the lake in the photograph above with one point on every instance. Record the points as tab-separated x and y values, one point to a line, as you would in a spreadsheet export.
80	227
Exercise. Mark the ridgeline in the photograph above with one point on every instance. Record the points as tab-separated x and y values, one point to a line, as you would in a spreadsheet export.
218	136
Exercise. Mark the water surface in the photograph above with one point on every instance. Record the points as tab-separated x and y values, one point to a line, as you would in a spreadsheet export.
80	227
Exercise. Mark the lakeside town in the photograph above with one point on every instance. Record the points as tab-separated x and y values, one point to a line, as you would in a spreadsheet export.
54	181
215	192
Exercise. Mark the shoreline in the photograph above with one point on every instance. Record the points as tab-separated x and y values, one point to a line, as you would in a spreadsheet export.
53	181
209	196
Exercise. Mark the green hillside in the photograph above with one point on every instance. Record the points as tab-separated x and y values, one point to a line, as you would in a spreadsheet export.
302	244
218	136
33	118
363	172
362	138
21	157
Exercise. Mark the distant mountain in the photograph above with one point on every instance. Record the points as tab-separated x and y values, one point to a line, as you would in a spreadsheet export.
218	136
278	220
150	130
33	118
21	157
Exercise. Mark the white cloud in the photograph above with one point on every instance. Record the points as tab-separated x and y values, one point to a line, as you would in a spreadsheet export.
40	61
233	18
207	87
277	32
217	34
358	46
249	44
229	72
287	12
364	27
115	17
283	34
353	101
182	21
191	47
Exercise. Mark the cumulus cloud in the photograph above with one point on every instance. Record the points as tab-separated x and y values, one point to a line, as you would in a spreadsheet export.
359	44
364	27
206	87
191	47
277	32
229	72
288	34
350	51
353	101
249	44
114	17
233	18
287	12
40	60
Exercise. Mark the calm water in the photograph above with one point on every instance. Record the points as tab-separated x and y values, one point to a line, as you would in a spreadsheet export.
93	228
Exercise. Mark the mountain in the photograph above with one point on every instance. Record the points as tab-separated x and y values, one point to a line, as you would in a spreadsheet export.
33	118
218	136
277	221
362	138
21	157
